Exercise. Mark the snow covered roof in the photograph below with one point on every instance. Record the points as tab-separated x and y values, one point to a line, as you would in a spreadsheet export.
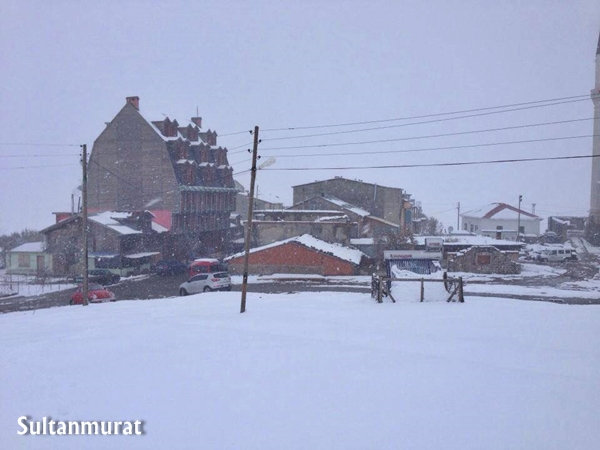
500	211
141	255
387	222
468	240
339	251
159	228
362	241
30	247
109	219
347	206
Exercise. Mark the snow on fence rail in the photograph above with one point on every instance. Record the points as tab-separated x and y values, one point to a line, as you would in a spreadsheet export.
447	288
27	285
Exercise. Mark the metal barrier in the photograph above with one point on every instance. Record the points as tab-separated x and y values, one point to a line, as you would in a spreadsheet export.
453	287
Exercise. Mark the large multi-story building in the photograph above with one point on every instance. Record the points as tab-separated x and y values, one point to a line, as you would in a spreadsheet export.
373	200
177	172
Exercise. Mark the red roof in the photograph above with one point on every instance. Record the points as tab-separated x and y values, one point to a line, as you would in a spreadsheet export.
162	217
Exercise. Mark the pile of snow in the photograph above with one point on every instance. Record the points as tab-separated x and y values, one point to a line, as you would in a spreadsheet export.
306	371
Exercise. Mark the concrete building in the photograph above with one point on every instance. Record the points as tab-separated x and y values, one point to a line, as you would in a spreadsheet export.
124	242
28	259
501	221
389	204
137	164
270	226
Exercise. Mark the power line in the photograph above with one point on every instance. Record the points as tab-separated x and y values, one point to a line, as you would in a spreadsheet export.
38	144
37	167
459	133
585	96
41	156
414	123
429	149
464	163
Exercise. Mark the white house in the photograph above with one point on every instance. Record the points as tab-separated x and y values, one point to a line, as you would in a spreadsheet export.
501	221
28	259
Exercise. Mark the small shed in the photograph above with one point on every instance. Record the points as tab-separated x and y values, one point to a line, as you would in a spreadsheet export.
484	259
302	255
28	259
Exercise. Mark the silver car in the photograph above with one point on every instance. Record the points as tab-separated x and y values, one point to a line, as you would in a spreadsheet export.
205	282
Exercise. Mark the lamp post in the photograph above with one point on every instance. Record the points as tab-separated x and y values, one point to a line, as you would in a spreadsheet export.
519	218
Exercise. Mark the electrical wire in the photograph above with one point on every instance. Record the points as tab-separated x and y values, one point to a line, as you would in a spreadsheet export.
360	130
582	97
37	167
38	144
430	149
459	133
463	163
49	155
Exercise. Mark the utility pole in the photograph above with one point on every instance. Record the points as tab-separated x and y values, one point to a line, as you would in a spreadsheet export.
458	217
84	225
249	221
519	218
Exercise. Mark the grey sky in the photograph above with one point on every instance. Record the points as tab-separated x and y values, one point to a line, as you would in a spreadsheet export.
67	67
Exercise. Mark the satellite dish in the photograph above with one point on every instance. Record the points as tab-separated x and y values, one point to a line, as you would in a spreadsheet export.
267	163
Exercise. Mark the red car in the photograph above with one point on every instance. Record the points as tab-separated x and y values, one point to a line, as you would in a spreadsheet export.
96	294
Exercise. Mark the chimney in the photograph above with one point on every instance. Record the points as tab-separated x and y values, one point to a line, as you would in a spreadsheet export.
135	101
197	121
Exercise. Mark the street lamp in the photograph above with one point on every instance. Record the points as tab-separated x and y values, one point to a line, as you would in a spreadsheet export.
519	218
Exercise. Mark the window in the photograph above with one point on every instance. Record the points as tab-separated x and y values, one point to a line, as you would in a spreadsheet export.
522	230
24	260
499	227
472	228
484	259
199	278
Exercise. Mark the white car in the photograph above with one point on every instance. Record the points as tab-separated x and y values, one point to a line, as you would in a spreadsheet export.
205	282
558	255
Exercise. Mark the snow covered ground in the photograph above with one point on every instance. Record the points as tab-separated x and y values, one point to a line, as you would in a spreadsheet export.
306	371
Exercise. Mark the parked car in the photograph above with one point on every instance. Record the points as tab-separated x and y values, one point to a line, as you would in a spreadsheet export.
170	267
206	265
96	294
558	255
103	276
204	282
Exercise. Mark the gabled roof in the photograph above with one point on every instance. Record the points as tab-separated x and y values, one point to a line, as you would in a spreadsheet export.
500	211
347	179
346	206
110	219
339	251
30	247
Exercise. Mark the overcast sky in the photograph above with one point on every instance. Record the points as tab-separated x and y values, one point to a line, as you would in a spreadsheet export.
67	67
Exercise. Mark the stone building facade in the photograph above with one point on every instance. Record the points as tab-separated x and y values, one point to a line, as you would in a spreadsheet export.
138	164
484	260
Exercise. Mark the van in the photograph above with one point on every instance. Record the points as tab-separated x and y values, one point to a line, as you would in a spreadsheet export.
558	255
206	265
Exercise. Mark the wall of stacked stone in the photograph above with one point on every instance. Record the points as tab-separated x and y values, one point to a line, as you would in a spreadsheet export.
485	260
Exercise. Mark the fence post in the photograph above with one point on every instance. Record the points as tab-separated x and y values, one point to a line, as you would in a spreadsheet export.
380	291
422	290
461	297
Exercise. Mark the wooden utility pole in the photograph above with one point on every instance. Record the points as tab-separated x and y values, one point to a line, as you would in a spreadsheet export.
458	217
84	225
249	221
